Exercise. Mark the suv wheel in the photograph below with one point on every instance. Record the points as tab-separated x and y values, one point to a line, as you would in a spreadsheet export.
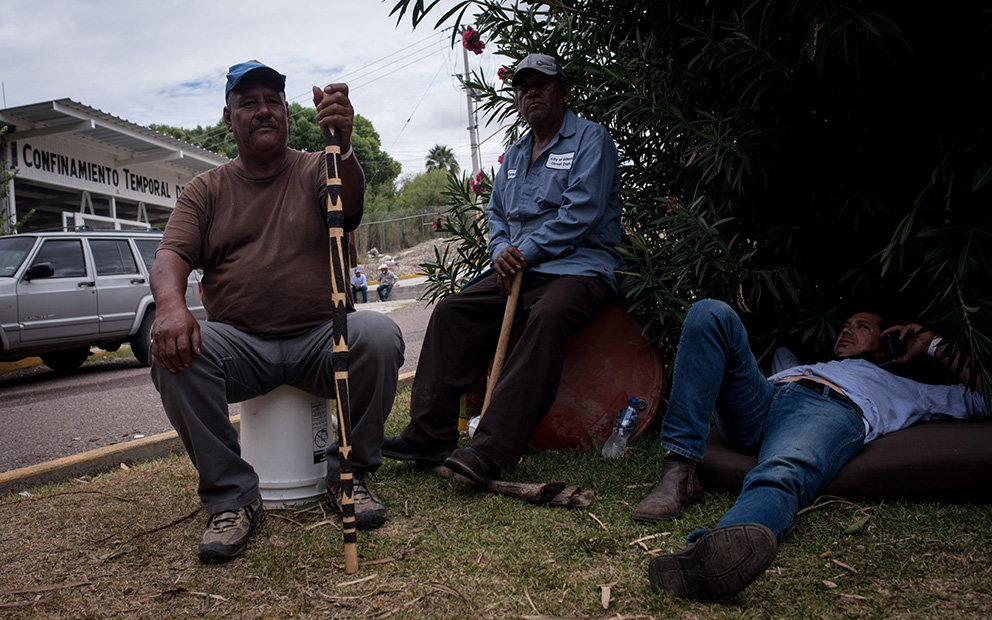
65	361
141	343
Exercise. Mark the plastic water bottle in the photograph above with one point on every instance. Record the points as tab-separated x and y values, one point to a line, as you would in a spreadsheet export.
473	424
616	446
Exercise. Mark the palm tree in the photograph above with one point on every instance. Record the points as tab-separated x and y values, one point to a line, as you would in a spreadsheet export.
442	158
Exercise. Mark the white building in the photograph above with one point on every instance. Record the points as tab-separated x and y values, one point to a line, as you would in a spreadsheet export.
78	166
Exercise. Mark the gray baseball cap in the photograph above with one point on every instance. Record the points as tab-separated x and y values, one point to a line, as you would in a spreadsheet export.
548	65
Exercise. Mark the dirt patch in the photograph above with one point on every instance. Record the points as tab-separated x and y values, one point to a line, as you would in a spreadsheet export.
27	362
404	263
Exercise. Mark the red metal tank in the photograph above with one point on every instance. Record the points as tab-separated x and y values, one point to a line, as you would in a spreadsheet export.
606	364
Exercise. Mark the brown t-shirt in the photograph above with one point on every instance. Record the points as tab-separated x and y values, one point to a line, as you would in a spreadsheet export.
262	244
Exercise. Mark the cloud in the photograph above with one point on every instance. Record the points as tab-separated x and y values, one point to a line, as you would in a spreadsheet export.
165	62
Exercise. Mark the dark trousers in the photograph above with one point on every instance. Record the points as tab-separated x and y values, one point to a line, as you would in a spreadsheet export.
459	345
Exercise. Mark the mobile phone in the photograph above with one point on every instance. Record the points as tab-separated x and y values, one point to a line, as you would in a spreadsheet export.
892	346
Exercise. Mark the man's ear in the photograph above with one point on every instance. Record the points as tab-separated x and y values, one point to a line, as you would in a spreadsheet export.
568	93
227	119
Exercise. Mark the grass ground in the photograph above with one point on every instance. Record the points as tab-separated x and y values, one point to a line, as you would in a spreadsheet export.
123	544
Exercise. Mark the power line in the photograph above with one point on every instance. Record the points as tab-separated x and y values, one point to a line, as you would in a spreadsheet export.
403	128
431	38
400	68
213	140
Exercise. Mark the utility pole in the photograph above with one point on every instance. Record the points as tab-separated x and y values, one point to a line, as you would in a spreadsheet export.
473	134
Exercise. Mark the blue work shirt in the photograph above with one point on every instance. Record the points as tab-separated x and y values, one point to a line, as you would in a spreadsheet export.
562	212
890	402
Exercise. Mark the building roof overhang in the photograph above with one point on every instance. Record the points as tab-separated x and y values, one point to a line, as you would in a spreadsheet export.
133	144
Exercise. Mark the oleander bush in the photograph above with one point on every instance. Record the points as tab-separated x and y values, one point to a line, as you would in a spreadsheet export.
793	158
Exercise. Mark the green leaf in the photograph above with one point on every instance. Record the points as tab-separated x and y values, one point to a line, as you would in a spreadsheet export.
857	525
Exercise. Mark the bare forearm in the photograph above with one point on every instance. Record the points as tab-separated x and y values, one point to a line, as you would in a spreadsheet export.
175	333
920	341
958	364
353	186
334	111
168	279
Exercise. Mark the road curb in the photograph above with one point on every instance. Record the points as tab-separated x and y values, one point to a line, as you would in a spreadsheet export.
92	461
101	459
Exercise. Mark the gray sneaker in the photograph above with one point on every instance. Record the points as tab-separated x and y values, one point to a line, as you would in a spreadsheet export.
370	513
227	533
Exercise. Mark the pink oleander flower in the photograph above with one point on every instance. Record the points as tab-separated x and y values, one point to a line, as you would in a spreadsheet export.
500	160
502	74
472	41
477	185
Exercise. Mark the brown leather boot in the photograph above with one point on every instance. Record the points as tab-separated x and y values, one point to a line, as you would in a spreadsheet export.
722	562
677	488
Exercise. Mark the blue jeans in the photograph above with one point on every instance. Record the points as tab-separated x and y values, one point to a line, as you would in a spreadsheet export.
384	290
365	293
801	437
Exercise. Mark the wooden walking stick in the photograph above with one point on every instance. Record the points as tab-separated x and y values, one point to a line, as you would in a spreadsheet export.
558	494
504	338
339	357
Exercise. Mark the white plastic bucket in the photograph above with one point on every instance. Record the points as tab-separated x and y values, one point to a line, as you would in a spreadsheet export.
283	436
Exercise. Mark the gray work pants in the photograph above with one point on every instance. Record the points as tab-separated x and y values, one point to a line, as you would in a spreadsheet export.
234	366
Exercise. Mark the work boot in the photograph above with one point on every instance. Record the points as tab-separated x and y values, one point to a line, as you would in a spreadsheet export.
677	487
227	533
402	450
370	513
722	562
473	464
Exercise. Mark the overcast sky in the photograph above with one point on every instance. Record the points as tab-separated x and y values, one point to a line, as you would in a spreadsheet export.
165	62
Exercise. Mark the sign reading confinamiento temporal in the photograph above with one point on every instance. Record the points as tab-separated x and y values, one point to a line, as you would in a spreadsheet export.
71	164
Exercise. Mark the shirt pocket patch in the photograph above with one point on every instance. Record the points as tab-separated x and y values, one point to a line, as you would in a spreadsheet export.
560	161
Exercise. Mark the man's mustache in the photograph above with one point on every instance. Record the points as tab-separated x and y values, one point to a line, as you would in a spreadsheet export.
260	124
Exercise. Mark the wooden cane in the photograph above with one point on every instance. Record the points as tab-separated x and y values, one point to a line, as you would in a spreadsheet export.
339	356
504	338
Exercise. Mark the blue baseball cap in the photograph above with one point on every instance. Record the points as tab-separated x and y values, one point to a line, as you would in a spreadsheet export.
240	70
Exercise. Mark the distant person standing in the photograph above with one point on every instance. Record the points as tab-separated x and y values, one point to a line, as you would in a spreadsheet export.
359	283
387	280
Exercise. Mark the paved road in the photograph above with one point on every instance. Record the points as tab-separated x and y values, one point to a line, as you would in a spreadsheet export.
412	318
44	416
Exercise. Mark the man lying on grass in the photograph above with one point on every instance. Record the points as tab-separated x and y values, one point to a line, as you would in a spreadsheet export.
803	423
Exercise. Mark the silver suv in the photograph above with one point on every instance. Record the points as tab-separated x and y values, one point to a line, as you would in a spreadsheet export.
64	292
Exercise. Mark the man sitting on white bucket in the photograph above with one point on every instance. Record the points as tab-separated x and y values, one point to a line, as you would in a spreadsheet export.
256	227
